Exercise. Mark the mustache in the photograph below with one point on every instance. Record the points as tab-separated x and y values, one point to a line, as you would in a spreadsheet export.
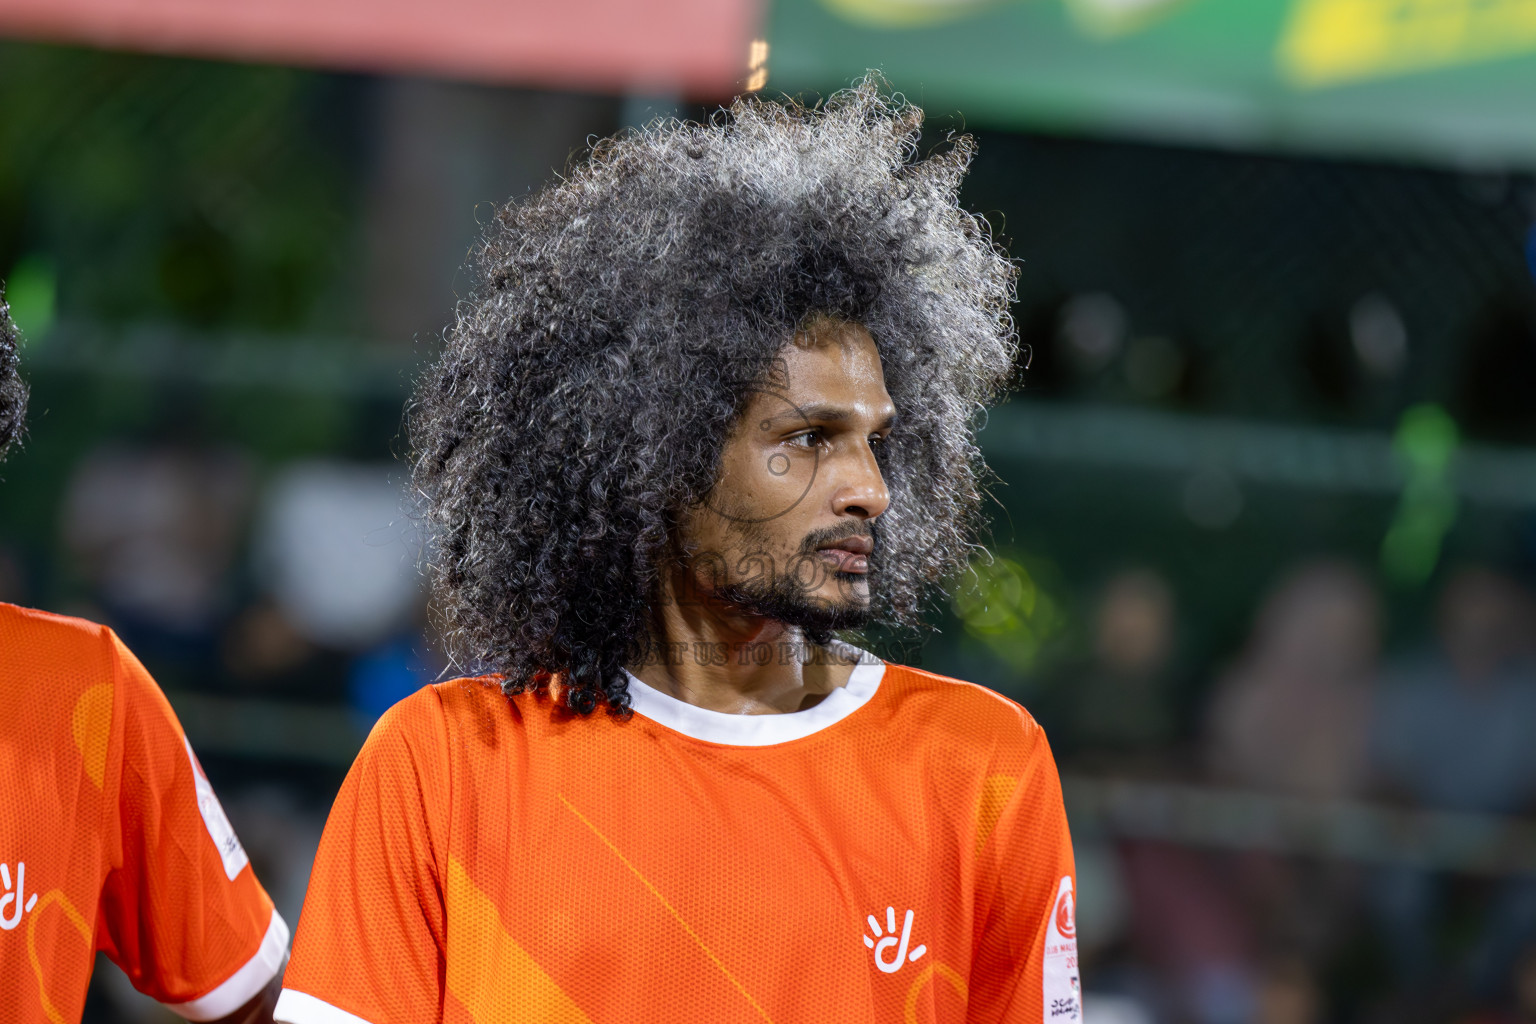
832	534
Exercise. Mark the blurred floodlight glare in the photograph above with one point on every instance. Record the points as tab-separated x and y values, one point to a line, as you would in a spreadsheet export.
32	291
757	62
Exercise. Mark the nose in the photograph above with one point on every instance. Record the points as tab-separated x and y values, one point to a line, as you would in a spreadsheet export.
861	490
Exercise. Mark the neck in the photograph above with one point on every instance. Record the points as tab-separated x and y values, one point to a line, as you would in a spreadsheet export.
721	658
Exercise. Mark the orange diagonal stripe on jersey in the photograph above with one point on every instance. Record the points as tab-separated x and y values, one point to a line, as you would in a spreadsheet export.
54	897
670	909
494	977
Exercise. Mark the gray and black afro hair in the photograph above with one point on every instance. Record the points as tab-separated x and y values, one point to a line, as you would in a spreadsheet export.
13	392
619	319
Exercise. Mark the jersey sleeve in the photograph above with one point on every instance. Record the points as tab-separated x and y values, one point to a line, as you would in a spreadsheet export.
1025	965
181	911
369	946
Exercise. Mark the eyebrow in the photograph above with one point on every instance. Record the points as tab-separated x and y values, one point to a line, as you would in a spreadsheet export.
832	414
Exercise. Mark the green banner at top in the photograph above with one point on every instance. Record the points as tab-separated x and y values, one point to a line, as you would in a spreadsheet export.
1447	80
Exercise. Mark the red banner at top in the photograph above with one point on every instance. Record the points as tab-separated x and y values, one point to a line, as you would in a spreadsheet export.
695	47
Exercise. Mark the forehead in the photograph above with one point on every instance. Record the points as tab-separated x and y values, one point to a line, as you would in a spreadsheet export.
838	363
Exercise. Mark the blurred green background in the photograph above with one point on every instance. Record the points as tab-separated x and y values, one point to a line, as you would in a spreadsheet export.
1272	453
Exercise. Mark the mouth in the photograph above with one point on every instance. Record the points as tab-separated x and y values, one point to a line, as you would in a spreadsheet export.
850	554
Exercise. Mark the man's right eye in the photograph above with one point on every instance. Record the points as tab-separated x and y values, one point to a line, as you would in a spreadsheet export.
807	439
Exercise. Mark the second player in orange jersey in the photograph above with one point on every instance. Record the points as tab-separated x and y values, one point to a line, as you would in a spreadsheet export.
712	407
111	838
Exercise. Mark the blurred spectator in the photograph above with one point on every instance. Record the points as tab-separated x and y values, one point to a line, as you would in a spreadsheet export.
340	615
154	532
337	553
1112	1009
1288	993
1239	936
1525	987
1118	990
1455	725
392	671
1454	732
13	576
1115	713
1186	923
1117	708
1293	715
1522	1005
262	644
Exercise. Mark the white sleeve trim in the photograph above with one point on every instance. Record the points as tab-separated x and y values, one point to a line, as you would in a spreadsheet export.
239	988
231	853
295	1007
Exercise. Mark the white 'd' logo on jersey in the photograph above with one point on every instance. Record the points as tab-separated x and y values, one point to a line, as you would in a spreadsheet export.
881	945
14	902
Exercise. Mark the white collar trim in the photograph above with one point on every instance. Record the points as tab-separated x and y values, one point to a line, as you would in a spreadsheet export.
760	730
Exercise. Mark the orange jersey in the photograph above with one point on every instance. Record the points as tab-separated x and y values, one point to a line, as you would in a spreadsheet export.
896	853
111	838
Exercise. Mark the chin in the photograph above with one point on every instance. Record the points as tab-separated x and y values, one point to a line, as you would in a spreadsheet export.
820	619
817	614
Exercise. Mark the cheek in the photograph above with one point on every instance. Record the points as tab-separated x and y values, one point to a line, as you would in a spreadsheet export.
767	484
705	532
787	481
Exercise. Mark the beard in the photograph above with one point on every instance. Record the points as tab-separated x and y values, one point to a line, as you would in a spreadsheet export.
786	598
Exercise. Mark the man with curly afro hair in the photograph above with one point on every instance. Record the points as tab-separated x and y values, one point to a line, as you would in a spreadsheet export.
13	391
711	404
111	838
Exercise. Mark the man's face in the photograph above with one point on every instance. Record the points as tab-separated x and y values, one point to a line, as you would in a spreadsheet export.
788	529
